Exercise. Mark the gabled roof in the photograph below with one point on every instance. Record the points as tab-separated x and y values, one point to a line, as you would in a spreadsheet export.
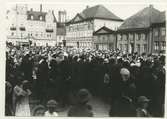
80	18
97	12
36	15
161	18
141	19
103	30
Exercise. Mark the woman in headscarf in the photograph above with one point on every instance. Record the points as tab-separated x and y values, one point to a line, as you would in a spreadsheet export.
21	94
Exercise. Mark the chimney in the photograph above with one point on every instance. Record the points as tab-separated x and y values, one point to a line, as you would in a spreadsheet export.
151	6
40	7
31	9
87	6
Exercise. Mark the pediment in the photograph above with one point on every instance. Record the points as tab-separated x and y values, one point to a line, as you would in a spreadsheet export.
102	31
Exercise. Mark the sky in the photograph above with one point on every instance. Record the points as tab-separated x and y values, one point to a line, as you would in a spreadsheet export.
122	10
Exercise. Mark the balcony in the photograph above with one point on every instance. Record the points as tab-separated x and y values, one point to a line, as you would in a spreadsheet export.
12	28
49	30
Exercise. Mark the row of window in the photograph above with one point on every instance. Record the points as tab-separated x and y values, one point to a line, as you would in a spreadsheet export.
20	28
85	44
161	31
32	17
139	36
102	47
80	39
41	35
80	34
104	38
40	24
160	45
82	27
21	34
31	34
124	47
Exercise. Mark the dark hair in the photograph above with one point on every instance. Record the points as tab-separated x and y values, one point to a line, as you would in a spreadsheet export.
25	85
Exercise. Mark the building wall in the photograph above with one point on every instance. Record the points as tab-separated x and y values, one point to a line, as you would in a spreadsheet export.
105	42
133	42
60	39
83	32
35	30
159	39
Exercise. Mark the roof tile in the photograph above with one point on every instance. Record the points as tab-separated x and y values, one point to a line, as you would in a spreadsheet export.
141	19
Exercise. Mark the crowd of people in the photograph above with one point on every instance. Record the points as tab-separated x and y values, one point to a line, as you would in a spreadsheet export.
132	84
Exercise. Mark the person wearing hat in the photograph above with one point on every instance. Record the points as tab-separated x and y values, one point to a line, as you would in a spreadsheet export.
51	105
81	108
38	110
127	84
42	80
27	67
142	111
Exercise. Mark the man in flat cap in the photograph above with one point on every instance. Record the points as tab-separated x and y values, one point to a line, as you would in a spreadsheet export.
81	108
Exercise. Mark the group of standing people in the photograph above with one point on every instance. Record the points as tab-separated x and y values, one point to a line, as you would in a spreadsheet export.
132	84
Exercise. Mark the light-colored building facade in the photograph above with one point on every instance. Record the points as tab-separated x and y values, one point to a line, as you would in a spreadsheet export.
79	30
26	26
133	41
137	34
158	29
105	39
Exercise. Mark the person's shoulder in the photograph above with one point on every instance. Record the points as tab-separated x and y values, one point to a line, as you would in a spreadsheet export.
55	113
17	88
139	112
89	107
46	113
74	107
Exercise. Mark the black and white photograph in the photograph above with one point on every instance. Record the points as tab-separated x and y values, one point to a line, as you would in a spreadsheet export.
85	60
